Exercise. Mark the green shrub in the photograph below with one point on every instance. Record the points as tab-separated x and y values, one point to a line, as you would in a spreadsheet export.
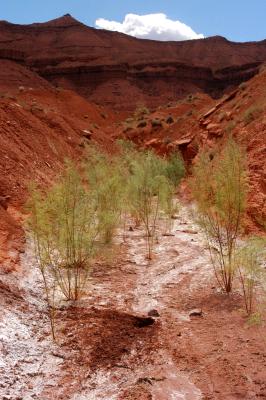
175	168
149	190
251	273
219	186
106	185
65	229
76	219
141	111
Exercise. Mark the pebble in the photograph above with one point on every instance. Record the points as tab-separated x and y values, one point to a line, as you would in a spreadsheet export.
196	312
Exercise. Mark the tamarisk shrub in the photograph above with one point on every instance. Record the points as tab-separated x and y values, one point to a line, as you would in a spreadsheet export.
107	187
251	272
219	186
77	217
149	190
65	229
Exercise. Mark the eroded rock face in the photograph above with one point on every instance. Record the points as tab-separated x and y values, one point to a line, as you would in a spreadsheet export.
111	68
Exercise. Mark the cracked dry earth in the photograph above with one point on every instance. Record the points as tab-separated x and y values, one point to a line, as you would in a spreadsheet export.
107	347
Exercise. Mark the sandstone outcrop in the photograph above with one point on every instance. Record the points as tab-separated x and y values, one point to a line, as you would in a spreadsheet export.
111	68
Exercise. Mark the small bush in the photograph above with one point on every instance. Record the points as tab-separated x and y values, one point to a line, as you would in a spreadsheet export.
219	186
175	168
250	261
146	186
156	123
190	98
141	111
106	186
251	114
169	120
65	229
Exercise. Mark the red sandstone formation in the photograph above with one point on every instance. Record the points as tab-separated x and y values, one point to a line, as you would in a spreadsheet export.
44	68
42	121
199	121
114	69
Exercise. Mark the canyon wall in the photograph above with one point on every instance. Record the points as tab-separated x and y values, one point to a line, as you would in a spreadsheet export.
111	68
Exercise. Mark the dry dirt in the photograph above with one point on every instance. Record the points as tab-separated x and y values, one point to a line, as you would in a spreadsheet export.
107	346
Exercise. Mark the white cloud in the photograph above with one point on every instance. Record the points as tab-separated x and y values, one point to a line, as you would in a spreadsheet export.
151	26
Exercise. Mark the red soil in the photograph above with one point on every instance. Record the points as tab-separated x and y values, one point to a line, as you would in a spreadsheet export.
40	127
103	345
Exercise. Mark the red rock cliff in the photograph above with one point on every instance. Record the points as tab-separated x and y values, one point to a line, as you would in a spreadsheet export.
111	68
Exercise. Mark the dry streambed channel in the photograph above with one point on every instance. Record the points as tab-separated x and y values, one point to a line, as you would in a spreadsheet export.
114	343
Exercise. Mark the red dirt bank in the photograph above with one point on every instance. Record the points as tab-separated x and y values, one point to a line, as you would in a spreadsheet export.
40	126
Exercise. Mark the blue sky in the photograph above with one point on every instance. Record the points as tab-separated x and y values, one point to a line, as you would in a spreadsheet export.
238	20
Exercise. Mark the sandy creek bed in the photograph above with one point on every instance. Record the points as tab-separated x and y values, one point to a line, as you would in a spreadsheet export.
103	353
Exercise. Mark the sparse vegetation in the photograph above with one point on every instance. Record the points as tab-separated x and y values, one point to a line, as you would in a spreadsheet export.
175	169
150	190
156	123
106	187
65	230
141	111
251	273
251	114
169	120
230	127
77	217
220	187
190	98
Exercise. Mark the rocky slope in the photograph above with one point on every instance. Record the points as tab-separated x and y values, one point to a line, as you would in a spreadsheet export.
199	121
40	126
115	69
